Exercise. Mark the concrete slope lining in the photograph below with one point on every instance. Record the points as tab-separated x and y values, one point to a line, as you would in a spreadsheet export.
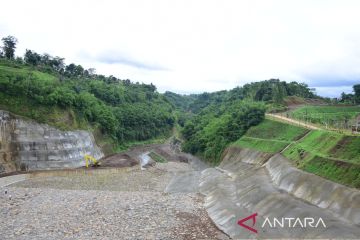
242	189
27	145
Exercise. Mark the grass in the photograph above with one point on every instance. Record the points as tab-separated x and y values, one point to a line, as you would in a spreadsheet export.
263	145
348	148
328	154
341	172
157	158
324	144
269	129
270	136
26	72
334	116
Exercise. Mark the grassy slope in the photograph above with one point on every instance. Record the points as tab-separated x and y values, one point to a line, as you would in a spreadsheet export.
328	154
270	136
273	130
263	145
26	71
319	114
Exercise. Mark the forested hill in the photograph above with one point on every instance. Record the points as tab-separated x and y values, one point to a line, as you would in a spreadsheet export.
272	92
41	87
222	117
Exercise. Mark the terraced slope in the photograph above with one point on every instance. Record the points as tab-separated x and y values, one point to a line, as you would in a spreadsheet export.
270	136
328	154
325	153
328	114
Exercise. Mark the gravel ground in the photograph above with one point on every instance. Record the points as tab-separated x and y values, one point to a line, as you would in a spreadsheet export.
130	204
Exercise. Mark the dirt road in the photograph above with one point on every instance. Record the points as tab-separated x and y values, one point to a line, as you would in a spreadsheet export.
289	120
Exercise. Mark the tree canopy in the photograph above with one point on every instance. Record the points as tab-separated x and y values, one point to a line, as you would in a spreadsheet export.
9	46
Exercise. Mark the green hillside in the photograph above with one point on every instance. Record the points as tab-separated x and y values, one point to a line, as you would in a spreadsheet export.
328	154
270	136
273	92
337	116
117	110
208	133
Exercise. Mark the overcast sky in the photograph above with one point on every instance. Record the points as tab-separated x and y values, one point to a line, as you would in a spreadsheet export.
197	45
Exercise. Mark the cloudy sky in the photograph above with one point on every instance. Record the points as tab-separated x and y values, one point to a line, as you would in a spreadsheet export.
191	46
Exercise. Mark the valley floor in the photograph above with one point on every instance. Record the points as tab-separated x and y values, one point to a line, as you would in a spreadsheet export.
128	204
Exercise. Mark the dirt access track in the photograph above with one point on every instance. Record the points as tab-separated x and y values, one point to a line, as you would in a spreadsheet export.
116	201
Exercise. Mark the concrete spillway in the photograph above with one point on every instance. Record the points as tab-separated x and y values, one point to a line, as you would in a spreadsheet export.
27	145
249	182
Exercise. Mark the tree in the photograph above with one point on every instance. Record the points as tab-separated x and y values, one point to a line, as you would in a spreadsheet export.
91	71
9	46
70	69
32	57
357	93
347	98
79	71
57	63
73	70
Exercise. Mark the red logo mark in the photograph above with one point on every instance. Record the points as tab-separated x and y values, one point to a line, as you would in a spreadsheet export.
253	217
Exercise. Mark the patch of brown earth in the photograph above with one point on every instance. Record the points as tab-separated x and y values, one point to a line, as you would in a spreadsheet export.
340	145
118	160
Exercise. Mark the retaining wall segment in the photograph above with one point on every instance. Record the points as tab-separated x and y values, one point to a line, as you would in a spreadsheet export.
238	189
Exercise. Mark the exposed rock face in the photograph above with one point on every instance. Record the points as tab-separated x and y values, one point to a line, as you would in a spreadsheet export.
243	185
26	145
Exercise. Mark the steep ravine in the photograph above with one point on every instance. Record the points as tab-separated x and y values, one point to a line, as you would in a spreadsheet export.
27	145
249	182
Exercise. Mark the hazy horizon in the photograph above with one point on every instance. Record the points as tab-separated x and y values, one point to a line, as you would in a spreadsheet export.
197	46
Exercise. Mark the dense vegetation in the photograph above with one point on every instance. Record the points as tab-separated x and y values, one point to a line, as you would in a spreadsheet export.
222	117
351	98
179	101
273	92
208	133
42	87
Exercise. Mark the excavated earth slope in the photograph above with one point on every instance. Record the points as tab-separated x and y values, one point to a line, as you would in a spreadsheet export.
27	145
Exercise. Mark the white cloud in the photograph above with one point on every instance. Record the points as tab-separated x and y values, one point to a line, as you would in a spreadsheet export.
204	45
